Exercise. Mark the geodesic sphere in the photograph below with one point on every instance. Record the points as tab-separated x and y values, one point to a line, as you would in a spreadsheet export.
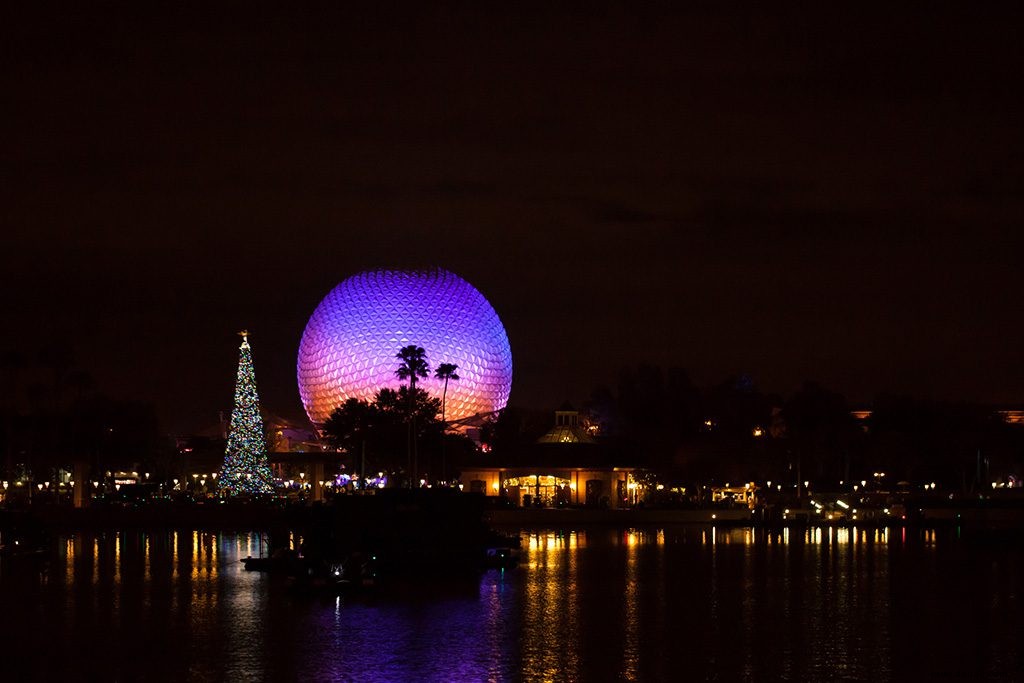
348	348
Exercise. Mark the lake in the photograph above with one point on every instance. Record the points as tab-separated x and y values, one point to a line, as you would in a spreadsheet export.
592	604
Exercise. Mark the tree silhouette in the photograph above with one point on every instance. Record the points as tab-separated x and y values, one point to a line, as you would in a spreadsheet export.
446	371
413	366
375	429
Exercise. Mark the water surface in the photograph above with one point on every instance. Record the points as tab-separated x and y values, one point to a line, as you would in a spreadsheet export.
659	604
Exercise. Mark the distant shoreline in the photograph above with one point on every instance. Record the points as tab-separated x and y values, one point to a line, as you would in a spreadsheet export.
247	517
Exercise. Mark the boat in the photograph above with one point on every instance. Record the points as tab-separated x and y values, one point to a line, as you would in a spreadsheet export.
282	561
500	557
356	573
19	550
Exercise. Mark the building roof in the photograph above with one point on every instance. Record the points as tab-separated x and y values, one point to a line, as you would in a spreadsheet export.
558	456
566	434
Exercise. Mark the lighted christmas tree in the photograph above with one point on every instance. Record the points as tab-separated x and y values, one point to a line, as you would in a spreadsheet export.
245	468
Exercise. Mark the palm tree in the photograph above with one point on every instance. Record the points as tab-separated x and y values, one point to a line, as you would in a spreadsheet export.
446	371
413	366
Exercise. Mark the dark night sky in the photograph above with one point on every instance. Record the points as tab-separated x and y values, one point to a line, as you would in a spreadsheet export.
793	193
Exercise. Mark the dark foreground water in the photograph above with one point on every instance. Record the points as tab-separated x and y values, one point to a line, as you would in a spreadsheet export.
670	604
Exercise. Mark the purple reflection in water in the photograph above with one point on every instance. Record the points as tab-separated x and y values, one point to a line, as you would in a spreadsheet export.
605	604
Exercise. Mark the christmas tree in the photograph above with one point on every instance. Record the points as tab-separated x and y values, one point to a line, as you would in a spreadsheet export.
245	468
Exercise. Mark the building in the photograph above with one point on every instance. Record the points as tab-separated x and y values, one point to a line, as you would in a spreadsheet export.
565	466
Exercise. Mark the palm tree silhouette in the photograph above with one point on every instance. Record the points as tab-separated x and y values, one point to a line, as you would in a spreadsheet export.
413	366
446	371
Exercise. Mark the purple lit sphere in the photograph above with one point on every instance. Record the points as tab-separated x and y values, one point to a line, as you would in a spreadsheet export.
349	345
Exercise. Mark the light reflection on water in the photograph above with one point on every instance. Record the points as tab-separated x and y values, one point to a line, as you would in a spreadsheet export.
674	603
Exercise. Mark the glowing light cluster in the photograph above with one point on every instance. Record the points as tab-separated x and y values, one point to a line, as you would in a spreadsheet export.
348	347
245	469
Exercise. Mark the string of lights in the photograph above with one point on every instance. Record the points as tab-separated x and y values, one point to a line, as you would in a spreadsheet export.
246	469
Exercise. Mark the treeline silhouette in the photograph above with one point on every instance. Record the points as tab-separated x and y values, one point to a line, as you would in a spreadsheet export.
733	432
52	415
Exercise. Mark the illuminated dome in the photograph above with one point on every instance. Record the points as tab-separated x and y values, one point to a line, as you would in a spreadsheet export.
349	345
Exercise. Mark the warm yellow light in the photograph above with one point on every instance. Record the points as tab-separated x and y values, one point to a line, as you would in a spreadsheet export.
494	486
